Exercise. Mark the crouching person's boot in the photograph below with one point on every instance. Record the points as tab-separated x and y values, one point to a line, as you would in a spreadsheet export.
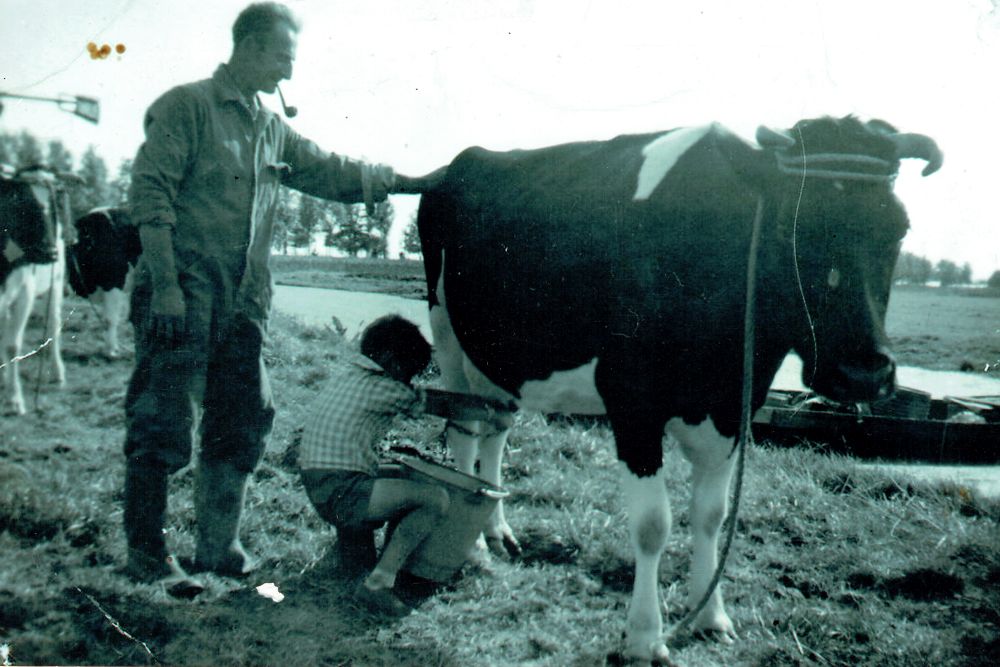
145	507
219	492
355	549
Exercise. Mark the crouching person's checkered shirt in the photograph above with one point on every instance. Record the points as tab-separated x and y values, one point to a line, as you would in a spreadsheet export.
352	414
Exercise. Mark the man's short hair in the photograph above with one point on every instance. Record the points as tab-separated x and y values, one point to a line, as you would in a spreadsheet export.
399	339
260	18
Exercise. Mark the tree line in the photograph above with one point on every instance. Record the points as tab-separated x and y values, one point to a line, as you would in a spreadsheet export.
301	221
915	270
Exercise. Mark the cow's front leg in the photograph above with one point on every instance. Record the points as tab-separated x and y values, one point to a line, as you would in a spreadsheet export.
649	527
12	346
499	536
114	304
712	458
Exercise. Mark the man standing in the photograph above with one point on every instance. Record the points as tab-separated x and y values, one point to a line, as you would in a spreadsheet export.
204	189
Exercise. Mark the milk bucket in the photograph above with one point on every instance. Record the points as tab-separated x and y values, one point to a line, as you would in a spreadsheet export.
472	501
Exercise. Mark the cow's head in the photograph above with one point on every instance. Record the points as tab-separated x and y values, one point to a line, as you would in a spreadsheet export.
28	218
840	228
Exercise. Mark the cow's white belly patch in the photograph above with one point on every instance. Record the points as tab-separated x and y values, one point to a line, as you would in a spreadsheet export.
569	392
660	156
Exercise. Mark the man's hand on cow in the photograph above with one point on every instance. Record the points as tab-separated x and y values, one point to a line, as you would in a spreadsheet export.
166	313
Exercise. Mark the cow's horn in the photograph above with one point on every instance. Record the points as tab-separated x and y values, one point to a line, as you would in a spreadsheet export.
918	146
770	138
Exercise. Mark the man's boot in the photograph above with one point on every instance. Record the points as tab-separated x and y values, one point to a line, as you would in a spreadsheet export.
219	492
145	507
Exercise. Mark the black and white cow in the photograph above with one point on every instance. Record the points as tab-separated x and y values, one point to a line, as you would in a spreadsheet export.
609	277
34	210
100	263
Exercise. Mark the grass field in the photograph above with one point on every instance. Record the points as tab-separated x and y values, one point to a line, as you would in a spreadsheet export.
945	330
834	564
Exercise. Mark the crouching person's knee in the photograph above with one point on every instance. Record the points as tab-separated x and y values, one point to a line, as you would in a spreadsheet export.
438	501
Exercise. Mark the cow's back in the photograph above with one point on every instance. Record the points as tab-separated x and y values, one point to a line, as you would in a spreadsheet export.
550	259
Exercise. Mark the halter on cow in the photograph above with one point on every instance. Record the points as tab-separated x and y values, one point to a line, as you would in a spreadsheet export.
609	278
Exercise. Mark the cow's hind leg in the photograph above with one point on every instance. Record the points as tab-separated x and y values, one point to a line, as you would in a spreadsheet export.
53	331
114	303
463	437
493	440
712	458
472	441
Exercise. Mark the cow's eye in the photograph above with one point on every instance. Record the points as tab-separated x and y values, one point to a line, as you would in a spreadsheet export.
833	278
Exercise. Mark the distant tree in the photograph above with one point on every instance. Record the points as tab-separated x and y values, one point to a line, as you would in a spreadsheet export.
411	236
306	223
8	149
948	273
59	157
333	212
965	274
994	280
285	216
912	269
95	190
28	151
122	182
351	236
377	227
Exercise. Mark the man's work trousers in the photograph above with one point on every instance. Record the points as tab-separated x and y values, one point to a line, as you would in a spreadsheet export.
213	382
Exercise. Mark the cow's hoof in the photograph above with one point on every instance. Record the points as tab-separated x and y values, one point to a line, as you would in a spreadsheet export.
505	546
641	653
715	626
479	554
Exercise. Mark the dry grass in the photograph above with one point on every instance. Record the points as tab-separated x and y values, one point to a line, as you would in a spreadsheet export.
834	563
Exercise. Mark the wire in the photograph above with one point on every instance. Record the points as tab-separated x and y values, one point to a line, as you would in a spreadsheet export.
795	258
745	435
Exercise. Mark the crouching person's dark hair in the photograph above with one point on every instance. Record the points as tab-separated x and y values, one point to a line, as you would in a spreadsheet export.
396	344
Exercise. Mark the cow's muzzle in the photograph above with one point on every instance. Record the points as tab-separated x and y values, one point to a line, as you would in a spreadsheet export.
859	380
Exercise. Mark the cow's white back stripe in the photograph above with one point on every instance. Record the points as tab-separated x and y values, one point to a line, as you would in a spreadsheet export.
661	154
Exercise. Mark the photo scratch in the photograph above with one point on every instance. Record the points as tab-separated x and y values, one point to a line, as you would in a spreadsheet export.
24	356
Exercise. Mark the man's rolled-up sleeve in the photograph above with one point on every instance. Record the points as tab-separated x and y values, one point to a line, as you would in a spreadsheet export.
162	161
331	176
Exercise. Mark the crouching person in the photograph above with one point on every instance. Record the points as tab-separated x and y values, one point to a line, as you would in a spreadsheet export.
339	458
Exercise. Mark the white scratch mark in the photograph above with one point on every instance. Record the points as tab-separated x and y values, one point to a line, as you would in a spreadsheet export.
24	356
116	625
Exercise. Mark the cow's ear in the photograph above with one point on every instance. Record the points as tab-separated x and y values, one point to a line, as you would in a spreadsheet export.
768	137
880	126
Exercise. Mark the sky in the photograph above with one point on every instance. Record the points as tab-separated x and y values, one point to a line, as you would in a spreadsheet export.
412	82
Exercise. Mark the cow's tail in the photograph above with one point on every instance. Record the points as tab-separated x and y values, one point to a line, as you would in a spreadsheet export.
418	185
433	224
433	214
